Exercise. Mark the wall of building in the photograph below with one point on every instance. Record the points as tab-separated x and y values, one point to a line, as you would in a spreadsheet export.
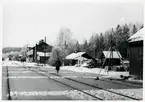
136	59
110	62
123	49
36	53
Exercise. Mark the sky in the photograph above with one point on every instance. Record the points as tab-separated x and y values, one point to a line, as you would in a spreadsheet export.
29	22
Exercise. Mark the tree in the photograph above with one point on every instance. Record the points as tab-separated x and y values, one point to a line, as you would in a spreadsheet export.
91	48
65	45
84	45
97	44
134	30
57	53
77	47
125	33
65	41
64	38
142	26
118	35
23	51
106	40
101	42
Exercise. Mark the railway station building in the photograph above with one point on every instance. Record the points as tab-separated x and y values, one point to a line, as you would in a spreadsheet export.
136	54
40	53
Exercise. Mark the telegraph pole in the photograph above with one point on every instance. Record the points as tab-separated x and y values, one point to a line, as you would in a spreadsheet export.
36	53
45	51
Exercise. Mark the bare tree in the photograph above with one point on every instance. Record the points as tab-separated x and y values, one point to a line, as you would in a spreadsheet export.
64	37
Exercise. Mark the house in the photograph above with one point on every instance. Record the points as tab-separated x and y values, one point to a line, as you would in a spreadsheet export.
110	58
39	53
136	54
79	58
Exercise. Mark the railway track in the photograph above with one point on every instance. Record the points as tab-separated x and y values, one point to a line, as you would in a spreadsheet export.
70	86
119	82
100	88
95	97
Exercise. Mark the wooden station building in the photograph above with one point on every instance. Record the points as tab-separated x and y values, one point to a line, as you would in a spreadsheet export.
40	53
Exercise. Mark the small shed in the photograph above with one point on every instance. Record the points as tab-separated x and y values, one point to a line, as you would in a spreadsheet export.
136	54
110	59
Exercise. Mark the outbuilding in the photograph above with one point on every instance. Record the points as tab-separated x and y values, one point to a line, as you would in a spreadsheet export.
79	58
110	58
136	54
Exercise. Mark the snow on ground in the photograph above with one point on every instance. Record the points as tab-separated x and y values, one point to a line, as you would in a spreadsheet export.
95	71
17	63
11	63
77	95
30	64
74	94
109	74
71	68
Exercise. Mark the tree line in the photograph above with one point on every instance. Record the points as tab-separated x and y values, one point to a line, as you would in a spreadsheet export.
97	43
66	44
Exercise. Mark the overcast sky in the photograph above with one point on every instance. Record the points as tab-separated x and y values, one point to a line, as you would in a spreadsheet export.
29	22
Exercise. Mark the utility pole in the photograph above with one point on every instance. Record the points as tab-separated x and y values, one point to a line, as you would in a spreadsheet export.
111	53
45	51
36	53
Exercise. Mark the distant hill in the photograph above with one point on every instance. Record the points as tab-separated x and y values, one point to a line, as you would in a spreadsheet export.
11	49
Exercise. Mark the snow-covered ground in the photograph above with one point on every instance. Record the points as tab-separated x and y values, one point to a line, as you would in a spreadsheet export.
109	74
17	63
72	68
11	63
95	71
74	94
